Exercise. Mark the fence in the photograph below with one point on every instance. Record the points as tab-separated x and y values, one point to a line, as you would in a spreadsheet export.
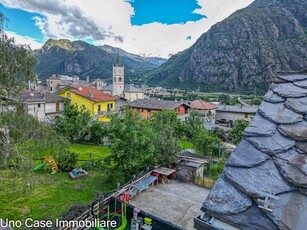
204	182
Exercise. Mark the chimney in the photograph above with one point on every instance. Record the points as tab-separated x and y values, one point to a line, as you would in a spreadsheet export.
90	94
88	79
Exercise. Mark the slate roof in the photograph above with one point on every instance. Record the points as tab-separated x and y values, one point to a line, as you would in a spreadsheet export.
37	96
237	109
271	158
127	88
202	105
98	96
155	104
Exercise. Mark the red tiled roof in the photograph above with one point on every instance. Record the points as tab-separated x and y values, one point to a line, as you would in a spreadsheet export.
202	105
97	95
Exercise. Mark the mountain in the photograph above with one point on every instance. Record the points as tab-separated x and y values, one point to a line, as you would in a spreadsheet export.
82	59
243	51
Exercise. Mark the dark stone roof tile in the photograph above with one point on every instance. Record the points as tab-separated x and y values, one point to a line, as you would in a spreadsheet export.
272	145
252	181
226	199
289	90
294	77
245	155
298	105
302	84
290	211
273	97
293	167
260	126
252	219
301	147
296	131
279	114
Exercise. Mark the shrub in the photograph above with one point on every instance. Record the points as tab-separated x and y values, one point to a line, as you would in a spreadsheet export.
97	132
67	160
92	164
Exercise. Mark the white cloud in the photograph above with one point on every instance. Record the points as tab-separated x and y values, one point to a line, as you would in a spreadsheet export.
24	40
112	20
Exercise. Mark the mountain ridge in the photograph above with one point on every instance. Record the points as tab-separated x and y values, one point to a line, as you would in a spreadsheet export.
243	51
81	58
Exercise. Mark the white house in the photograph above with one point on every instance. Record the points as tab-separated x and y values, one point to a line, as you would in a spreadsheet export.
230	113
43	105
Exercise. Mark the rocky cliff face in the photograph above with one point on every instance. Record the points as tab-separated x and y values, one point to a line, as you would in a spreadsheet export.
244	50
80	58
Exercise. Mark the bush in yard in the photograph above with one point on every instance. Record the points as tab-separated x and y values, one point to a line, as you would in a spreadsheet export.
97	132
67	160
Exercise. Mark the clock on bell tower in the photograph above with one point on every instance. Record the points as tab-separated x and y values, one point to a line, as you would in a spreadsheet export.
118	78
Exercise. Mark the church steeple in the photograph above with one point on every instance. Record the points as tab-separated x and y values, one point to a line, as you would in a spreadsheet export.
118	60
118	77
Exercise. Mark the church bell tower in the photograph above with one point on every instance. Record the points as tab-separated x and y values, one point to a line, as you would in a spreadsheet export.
118	78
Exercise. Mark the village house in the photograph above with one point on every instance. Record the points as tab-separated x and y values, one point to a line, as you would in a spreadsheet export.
147	107
57	82
228	114
119	88
97	102
42	105
98	84
205	109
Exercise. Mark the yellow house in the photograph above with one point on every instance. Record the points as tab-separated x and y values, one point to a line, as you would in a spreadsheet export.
98	103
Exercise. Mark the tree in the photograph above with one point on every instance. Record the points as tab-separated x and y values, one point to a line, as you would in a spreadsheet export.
74	121
168	129
22	136
235	134
194	124
132	145
16	65
97	132
205	142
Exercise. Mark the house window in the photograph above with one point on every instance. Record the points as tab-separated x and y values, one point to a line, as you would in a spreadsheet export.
99	108
120	79
51	89
68	95
38	105
149	111
57	106
246	115
114	79
110	106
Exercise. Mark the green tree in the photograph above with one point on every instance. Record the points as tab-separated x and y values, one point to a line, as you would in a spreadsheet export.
194	124
22	136
256	101
236	132
97	132
205	142
168	129
74	122
132	145
16	65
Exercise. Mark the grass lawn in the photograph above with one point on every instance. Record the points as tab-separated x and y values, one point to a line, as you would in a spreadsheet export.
185	145
88	151
50	195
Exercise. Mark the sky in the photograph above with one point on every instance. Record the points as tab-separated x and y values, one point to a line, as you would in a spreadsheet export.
156	28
